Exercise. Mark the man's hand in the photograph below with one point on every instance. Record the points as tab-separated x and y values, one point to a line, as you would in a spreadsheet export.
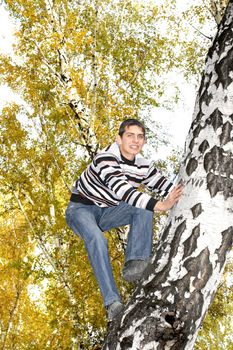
172	198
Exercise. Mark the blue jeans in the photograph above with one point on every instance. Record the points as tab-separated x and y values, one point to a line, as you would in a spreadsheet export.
90	221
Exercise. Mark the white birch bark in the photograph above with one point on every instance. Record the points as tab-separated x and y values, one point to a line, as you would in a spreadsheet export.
169	304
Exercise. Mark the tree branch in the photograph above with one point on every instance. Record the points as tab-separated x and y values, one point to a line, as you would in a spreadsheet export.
207	37
11	317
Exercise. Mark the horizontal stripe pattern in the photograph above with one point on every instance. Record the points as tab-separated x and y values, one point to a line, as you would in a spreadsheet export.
110	179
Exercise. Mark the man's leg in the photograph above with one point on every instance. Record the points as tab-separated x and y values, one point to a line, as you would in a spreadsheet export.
139	244
82	219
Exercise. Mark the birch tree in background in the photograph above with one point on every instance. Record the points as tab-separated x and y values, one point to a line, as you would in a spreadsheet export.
168	306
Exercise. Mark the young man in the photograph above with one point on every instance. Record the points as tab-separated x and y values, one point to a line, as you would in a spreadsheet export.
106	196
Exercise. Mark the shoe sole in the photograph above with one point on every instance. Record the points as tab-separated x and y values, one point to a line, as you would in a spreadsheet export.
117	314
135	278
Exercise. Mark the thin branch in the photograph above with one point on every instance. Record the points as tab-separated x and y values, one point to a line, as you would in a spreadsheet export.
48	65
207	37
139	68
94	63
12	314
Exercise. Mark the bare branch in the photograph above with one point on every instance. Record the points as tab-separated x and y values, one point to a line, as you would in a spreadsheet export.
207	37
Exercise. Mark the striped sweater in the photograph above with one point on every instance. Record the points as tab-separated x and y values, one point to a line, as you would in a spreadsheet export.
112	178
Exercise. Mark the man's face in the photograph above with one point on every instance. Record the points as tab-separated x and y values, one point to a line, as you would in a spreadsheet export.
131	142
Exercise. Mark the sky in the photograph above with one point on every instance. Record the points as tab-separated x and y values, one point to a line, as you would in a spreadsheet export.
6	31
175	122
6	42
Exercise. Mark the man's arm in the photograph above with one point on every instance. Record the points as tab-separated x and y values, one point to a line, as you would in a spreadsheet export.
156	182
172	198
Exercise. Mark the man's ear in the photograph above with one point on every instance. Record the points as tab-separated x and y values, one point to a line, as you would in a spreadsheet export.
118	140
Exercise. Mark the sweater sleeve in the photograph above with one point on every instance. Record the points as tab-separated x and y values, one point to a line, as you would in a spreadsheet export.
156	182
107	167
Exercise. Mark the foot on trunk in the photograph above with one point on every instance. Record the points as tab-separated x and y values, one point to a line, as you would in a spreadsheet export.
133	270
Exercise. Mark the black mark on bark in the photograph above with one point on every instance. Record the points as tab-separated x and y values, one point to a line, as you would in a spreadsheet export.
203	92
215	119
206	97
225	37
197	131
226	245
166	231
196	210
203	146
212	184
191	144
179	218
225	136
210	160
223	70
202	85
191	166
219	166
170	318
199	267
191	243
175	242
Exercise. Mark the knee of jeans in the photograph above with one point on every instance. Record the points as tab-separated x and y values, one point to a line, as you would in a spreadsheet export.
98	241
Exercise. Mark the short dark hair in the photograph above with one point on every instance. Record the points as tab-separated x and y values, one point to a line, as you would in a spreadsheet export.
129	122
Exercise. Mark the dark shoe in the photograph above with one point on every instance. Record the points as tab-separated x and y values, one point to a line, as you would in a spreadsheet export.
133	269
114	309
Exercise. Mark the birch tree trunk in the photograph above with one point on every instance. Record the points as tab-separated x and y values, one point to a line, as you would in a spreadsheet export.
168	306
